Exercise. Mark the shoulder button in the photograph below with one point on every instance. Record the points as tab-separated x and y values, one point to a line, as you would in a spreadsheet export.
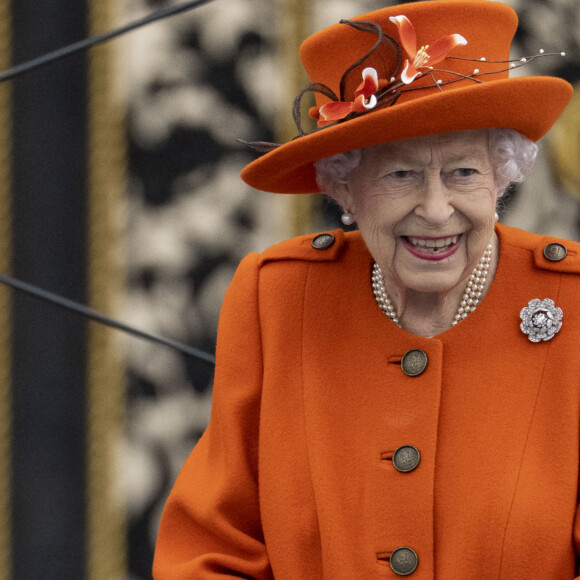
322	241
555	252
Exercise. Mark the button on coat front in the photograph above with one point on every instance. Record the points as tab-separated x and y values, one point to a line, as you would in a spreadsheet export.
414	362
406	458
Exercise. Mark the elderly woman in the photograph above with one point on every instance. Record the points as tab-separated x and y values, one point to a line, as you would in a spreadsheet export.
403	399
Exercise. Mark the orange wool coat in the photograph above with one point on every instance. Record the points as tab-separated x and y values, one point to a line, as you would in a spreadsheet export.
293	479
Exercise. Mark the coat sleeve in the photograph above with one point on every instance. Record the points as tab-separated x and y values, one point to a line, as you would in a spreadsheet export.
577	540
211	527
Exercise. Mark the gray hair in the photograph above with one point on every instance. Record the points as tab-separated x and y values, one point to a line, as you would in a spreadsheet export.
512	156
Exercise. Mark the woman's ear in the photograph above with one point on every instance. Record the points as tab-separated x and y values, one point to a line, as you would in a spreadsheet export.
342	194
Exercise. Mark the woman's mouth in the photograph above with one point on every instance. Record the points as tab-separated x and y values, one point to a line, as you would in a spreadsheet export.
432	248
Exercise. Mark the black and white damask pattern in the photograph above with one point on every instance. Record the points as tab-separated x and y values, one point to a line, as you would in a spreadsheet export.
195	83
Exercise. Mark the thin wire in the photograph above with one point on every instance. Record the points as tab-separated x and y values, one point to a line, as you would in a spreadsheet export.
98	317
36	292
59	54
71	49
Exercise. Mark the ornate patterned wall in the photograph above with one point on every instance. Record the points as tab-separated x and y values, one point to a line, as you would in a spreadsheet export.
194	84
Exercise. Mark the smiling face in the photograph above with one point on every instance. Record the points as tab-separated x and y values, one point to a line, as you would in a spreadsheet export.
426	208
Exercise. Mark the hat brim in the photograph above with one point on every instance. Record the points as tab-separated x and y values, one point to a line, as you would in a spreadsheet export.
529	105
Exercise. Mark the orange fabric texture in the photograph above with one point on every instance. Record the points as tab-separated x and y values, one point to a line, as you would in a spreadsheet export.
529	105
293	481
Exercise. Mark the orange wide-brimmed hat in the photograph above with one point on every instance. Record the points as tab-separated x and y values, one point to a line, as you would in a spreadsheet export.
407	71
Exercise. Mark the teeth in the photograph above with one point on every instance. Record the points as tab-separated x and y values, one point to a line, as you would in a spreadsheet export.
432	246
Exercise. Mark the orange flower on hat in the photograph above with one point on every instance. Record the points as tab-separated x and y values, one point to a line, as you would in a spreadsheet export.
364	100
427	55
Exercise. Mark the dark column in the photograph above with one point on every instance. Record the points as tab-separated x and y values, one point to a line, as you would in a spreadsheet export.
49	345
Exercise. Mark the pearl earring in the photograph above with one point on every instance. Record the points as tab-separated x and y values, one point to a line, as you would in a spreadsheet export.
347	218
496	216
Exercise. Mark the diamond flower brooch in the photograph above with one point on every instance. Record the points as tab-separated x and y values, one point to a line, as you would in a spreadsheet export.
541	319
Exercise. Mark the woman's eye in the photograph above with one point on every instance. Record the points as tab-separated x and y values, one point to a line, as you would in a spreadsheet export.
464	172
401	174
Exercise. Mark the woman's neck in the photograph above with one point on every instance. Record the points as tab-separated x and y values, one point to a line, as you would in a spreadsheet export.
426	314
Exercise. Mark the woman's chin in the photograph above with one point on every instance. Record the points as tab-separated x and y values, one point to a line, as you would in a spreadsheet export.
430	277
440	283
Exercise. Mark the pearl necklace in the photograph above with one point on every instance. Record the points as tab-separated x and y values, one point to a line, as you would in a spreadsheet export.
469	300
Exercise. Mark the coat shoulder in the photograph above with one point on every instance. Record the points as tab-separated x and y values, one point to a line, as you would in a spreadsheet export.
549	252
320	247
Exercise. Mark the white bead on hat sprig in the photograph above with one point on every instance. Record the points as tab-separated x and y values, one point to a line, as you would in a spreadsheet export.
469	300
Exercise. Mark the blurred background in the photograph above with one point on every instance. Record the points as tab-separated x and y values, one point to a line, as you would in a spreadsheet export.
120	189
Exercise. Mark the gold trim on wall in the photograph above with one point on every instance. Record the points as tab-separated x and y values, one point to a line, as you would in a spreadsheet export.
106	519
5	296
564	145
294	18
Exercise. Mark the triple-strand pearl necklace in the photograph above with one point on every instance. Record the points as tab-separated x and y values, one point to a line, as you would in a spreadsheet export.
469	301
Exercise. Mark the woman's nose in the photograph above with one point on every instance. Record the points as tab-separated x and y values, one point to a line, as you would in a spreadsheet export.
434	202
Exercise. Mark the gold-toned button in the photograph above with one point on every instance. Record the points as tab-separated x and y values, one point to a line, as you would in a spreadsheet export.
322	241
414	362
406	458
404	561
555	252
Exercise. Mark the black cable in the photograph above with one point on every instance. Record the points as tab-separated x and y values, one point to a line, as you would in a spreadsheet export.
71	49
98	317
36	292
